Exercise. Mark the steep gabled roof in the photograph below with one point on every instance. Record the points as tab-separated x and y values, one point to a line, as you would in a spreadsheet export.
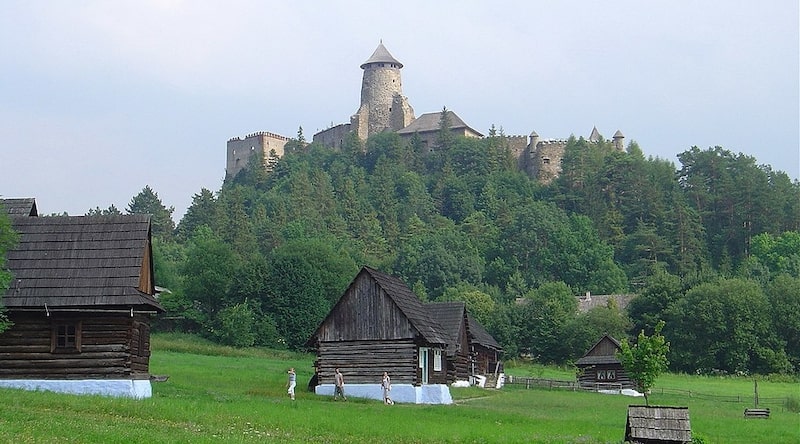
450	317
19	206
81	261
595	135
479	335
602	352
381	55
413	308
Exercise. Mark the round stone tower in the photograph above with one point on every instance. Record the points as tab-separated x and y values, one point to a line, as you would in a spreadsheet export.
383	107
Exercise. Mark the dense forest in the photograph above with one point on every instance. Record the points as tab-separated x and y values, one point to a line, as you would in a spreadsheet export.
712	247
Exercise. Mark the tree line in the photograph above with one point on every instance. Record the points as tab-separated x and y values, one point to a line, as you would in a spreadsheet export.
711	247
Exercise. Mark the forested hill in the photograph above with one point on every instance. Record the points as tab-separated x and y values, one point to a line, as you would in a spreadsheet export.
711	246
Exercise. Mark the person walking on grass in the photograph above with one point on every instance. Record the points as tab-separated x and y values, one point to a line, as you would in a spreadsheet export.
291	383
386	385
339	389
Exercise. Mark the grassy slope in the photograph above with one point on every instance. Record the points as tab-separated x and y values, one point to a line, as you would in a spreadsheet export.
240	397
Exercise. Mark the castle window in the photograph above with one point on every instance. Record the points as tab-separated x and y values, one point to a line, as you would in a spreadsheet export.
546	160
390	109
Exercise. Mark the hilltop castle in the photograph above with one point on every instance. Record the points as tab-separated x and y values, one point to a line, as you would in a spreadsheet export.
384	108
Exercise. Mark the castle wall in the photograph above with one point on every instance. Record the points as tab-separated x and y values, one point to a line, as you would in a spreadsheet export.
333	137
261	143
546	160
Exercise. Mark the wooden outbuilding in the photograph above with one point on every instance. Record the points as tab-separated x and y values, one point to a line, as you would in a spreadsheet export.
81	300
453	323
380	325
484	349
658	425
600	368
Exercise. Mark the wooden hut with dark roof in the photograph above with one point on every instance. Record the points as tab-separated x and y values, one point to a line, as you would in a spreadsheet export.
484	349
452	320
601	369
658	425
81	300
379	325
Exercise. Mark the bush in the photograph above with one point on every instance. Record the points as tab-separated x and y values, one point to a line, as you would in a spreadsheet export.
792	404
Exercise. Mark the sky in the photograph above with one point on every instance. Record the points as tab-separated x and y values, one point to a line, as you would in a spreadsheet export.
99	99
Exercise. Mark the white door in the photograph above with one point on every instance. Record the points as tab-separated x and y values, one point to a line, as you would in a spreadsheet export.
423	363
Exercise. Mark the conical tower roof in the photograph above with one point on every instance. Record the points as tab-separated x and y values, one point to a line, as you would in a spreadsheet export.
381	55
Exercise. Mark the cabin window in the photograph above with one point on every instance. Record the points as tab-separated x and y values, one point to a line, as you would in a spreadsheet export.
606	375
66	337
437	360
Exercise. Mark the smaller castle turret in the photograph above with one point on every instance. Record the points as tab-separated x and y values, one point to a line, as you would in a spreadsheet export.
619	141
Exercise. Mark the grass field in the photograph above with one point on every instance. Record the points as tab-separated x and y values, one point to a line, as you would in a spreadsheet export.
218	394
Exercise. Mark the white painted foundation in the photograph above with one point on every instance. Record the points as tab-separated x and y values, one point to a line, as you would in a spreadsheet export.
127	388
402	393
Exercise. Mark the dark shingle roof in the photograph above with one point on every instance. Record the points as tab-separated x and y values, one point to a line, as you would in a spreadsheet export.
409	304
381	55
479	335
449	316
19	206
81	261
430	122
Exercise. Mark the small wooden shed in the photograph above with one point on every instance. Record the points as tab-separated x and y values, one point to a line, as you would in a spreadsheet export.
601	369
81	300
380	325
658	425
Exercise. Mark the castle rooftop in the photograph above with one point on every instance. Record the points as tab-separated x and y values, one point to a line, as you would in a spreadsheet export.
430	122
381	55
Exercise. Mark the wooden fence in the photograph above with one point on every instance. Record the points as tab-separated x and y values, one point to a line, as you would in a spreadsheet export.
559	384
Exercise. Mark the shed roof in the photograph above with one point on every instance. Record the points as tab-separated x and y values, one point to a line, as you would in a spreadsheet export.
658	424
81	261
408	302
381	55
25	206
430	122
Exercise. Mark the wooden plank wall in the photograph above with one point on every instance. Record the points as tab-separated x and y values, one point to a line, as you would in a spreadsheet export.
105	349
365	313
363	362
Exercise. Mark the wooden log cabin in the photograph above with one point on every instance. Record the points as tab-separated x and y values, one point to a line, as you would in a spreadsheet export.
379	325
81	300
600	369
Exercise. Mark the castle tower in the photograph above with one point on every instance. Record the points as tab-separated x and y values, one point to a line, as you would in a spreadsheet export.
619	141
383	107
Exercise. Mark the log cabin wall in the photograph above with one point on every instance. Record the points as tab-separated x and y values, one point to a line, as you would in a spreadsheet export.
363	362
26	349
590	377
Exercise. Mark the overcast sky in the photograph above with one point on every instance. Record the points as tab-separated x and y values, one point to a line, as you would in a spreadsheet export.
100	98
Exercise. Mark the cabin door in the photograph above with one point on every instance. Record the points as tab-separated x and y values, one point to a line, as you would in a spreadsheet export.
423	363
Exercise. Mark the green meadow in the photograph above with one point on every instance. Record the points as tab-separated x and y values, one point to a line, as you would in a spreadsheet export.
219	394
